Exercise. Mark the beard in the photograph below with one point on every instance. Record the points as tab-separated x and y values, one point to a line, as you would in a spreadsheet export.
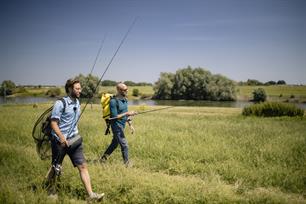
74	95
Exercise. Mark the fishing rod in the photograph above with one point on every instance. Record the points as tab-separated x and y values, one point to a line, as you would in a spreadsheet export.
55	169
148	111
93	66
39	139
61	156
110	62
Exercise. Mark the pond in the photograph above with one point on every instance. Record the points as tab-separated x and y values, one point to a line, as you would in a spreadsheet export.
234	104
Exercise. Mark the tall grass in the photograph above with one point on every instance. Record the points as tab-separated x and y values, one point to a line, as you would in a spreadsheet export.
180	155
273	109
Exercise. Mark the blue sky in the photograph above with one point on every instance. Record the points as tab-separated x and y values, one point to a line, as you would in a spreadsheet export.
46	42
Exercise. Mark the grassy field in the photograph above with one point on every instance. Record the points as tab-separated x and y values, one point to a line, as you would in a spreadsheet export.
275	93
143	90
180	155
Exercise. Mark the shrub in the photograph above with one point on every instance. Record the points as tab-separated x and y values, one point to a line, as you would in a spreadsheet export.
53	92
135	92
259	95
21	89
273	109
145	96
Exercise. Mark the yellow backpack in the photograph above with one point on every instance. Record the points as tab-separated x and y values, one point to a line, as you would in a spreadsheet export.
105	102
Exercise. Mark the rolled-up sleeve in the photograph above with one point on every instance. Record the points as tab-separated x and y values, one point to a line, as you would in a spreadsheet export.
57	110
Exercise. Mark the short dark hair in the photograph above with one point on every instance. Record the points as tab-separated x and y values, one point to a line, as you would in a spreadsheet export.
70	83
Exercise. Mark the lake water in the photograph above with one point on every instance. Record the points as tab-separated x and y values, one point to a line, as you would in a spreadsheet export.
235	104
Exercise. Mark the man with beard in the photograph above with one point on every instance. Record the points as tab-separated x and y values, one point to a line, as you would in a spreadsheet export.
65	139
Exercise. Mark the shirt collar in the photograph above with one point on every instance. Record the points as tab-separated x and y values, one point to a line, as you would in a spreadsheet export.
121	98
70	101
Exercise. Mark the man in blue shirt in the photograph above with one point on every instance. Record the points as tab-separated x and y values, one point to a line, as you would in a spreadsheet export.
66	139
120	115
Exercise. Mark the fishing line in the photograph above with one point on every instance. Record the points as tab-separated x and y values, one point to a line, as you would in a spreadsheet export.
110	62
94	64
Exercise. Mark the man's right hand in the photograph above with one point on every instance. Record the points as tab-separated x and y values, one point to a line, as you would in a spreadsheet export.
131	113
64	142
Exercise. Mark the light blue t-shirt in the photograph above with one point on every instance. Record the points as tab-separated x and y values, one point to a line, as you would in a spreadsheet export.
67	118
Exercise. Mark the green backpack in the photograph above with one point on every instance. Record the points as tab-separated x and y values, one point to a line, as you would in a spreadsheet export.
41	132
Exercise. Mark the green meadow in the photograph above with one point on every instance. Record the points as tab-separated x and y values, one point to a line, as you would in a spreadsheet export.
179	155
293	93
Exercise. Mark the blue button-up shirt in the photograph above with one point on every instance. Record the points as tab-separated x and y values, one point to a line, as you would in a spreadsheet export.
67	118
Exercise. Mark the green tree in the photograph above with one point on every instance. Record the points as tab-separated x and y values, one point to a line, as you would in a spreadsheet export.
7	87
194	84
281	82
108	83
191	84
253	82
89	85
143	84
270	83
222	89
163	87
130	83
259	95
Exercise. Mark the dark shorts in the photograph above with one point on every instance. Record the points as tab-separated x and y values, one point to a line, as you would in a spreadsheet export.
76	154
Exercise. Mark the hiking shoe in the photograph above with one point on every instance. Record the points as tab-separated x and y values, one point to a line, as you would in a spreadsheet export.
128	164
95	196
103	159
53	196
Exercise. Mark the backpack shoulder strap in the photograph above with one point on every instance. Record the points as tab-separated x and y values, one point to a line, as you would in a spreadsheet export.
64	103
117	102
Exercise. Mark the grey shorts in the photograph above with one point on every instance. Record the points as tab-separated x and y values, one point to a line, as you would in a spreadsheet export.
76	155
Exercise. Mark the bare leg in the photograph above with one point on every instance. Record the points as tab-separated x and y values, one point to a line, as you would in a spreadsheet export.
85	177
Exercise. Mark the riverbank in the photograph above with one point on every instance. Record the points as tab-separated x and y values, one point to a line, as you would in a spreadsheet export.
280	93
141	102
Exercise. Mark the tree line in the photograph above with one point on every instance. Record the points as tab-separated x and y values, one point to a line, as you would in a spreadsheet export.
128	83
254	82
186	83
88	82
